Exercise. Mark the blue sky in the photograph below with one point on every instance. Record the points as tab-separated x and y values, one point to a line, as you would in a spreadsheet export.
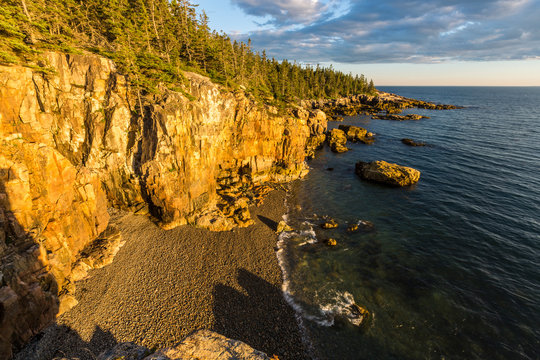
395	42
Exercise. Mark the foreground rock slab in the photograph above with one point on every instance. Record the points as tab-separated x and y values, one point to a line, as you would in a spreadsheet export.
203	344
387	173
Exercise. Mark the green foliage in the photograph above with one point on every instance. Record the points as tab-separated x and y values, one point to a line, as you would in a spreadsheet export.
154	41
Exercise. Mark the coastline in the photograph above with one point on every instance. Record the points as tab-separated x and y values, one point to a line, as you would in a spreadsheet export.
228	282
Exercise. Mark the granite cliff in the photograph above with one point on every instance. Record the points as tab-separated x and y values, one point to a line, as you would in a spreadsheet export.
77	141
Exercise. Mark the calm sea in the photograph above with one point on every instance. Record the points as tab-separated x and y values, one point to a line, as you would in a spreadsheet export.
452	267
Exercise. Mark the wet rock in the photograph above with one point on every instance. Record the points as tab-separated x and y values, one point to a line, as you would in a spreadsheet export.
330	224
387	173
358	312
336	140
330	242
283	227
411	142
366	225
352	228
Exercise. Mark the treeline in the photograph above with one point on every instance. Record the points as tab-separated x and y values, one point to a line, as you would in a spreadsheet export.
153	41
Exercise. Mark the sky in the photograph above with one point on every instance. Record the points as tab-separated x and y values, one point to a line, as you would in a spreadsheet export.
395	42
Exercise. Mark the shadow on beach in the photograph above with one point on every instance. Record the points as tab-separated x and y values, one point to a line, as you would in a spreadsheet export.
257	316
60	341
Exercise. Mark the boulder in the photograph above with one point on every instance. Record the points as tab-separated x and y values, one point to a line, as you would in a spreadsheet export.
387	173
336	140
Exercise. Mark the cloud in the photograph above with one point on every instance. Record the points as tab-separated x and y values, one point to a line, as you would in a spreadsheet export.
367	31
286	12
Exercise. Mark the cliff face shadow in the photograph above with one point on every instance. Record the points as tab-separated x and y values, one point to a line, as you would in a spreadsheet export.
268	222
261	318
28	292
62	342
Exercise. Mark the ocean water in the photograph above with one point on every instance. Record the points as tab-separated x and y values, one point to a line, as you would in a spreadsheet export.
451	267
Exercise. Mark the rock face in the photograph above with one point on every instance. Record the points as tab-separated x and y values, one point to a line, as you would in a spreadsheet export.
317	122
203	344
73	144
337	139
387	173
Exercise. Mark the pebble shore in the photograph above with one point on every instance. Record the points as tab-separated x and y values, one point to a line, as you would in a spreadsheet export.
165	284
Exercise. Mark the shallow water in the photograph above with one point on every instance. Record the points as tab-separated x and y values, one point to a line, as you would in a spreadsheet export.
452	268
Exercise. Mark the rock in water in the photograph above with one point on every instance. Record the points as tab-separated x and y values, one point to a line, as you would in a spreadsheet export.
411	142
330	224
283	227
336	139
387	173
331	242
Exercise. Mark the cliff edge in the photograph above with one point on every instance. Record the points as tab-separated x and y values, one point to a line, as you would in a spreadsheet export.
77	141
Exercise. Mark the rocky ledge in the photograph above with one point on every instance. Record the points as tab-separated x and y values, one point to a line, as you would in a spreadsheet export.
387	173
399	117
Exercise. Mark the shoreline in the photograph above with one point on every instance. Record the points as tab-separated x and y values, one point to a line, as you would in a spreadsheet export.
228	282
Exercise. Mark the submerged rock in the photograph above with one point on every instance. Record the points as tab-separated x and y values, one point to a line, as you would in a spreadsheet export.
337	139
387	173
411	142
352	228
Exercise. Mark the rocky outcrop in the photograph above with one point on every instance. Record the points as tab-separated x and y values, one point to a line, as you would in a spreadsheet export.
203	344
387	173
76	142
369	105
337	140
357	133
